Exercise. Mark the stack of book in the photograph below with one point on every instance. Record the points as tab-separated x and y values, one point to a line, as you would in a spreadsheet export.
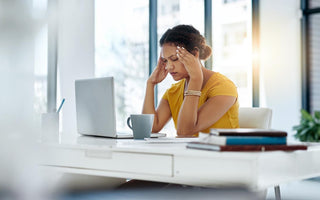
244	140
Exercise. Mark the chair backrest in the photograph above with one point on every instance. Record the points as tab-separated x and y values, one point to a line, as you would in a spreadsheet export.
255	117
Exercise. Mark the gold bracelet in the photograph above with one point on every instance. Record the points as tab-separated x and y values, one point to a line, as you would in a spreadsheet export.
192	93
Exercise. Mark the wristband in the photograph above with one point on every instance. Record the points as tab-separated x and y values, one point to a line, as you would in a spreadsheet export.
192	93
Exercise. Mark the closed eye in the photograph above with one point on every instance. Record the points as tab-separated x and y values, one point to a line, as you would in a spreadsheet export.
164	60
174	58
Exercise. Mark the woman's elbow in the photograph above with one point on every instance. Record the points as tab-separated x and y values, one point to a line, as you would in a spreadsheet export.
186	132
156	129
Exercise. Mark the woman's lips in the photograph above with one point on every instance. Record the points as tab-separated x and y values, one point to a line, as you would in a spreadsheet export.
173	73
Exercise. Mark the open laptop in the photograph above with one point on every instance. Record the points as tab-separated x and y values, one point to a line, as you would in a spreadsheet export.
95	107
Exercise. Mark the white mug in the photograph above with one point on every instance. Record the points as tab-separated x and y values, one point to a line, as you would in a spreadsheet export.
141	125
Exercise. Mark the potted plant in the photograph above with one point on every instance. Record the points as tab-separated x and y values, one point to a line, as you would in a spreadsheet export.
309	128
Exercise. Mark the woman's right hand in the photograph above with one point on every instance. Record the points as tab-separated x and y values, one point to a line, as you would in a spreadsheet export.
159	73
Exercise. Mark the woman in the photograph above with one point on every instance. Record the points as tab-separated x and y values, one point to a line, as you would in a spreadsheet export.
201	99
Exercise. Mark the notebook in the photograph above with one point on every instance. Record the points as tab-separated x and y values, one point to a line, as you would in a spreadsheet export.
95	108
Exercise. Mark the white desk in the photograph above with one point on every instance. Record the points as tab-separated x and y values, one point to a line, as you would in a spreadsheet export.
174	163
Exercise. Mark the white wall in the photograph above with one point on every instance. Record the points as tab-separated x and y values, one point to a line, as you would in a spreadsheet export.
75	53
17	37
280	61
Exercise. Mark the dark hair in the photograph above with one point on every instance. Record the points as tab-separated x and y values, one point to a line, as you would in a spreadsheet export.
188	37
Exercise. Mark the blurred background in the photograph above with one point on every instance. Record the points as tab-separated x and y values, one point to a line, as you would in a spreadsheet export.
268	48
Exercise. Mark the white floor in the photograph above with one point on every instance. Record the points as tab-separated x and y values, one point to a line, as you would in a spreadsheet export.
302	190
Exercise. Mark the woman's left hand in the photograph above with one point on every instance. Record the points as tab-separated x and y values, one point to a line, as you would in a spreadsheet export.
191	62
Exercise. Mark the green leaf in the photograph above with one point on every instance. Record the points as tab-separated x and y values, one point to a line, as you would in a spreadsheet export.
317	117
305	131
303	138
311	138
311	124
309	127
297	127
305	115
317	114
318	131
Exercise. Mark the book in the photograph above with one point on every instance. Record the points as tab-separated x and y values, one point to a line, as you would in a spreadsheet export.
210	147
242	140
248	132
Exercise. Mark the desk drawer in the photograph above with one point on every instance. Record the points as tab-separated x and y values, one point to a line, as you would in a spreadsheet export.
139	163
215	171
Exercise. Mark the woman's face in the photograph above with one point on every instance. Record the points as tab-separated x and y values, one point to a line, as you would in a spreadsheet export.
173	65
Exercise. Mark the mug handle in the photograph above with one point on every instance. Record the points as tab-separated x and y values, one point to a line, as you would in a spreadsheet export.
128	122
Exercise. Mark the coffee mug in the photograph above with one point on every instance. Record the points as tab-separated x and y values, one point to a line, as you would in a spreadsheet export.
141	125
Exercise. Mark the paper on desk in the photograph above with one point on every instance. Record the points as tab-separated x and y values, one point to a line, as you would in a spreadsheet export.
170	140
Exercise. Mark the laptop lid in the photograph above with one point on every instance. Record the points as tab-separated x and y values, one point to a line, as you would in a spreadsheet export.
95	107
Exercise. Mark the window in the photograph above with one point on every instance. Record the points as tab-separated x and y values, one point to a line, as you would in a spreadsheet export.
232	44
313	3
310	58
121	45
40	82
40	57
314	61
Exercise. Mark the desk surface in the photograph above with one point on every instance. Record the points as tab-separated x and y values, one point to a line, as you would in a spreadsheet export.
174	163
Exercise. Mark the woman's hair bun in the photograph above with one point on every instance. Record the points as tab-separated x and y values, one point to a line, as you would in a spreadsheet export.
205	53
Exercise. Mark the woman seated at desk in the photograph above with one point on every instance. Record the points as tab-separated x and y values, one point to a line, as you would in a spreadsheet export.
201	99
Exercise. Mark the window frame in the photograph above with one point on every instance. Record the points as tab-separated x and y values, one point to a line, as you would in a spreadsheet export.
305	62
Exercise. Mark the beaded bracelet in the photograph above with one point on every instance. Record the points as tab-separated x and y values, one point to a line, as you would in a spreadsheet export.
192	93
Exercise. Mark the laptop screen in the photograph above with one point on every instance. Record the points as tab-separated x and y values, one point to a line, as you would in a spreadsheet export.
95	106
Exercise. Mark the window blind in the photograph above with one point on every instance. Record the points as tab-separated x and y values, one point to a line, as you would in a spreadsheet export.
314	61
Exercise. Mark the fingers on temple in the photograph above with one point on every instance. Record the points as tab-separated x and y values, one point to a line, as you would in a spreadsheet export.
180	56
182	52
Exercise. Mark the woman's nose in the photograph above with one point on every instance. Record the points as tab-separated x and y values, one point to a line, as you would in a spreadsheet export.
169	66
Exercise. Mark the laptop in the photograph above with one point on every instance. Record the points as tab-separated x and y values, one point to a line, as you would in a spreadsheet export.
95	108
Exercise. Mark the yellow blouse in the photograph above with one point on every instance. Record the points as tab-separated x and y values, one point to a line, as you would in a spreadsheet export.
217	85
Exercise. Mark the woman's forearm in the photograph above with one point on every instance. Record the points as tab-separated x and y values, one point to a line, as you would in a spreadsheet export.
149	108
148	104
188	115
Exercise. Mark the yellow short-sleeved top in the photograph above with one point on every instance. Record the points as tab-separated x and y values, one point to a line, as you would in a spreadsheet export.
217	85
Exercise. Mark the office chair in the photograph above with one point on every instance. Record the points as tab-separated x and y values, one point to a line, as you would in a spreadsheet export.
257	118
